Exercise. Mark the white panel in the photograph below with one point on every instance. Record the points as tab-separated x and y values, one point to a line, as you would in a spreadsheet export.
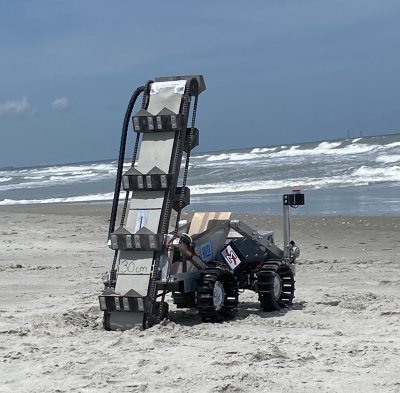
138	282
134	271
166	97
125	320
147	200
151	221
137	255
155	150
178	85
134	267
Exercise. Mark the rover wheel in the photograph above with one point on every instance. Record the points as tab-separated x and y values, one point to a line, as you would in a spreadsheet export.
275	283
217	295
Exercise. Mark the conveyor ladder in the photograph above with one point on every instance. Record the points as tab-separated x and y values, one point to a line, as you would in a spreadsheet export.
161	126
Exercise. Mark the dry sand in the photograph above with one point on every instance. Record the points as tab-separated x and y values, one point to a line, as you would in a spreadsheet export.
341	335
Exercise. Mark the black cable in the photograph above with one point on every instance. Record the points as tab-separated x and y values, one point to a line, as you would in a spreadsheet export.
121	158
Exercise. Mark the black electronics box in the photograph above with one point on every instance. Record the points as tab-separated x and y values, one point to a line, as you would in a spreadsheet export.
248	251
295	199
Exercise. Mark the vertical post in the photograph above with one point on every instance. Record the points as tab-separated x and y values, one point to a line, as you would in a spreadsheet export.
286	232
289	200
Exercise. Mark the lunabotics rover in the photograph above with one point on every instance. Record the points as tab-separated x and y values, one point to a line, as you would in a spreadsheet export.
202	263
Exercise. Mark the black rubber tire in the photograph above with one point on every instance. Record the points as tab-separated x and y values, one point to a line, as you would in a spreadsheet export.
214	281
275	285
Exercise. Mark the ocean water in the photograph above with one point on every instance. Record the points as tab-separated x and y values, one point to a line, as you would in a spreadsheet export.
343	177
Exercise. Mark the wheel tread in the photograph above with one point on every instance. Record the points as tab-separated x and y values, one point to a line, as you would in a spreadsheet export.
205	295
265	284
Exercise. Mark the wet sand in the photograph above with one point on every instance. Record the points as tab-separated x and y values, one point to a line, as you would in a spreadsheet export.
342	333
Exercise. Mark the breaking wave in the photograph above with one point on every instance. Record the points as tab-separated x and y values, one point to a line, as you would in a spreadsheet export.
74	199
318	165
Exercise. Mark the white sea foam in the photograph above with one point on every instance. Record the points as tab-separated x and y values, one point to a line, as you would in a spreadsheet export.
326	148
328	164
81	198
264	149
292	151
76	176
323	148
219	157
388	159
310	183
388	174
360	176
233	157
54	170
34	177
328	145
59	175
55	180
70	169
26	185
200	156
242	156
394	144
106	167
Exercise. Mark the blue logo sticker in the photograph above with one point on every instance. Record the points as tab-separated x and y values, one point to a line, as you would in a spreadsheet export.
206	252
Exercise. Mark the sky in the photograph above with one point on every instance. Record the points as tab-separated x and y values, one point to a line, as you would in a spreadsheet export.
277	72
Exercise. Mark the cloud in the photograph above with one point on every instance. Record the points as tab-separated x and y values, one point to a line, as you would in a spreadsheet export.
60	103
15	107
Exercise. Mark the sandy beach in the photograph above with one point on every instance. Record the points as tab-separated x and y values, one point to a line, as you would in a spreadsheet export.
341	335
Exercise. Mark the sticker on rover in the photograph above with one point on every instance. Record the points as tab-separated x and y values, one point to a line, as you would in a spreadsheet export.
206	252
230	257
141	219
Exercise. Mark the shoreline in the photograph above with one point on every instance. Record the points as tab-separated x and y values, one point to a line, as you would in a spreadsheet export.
329	237
104	208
